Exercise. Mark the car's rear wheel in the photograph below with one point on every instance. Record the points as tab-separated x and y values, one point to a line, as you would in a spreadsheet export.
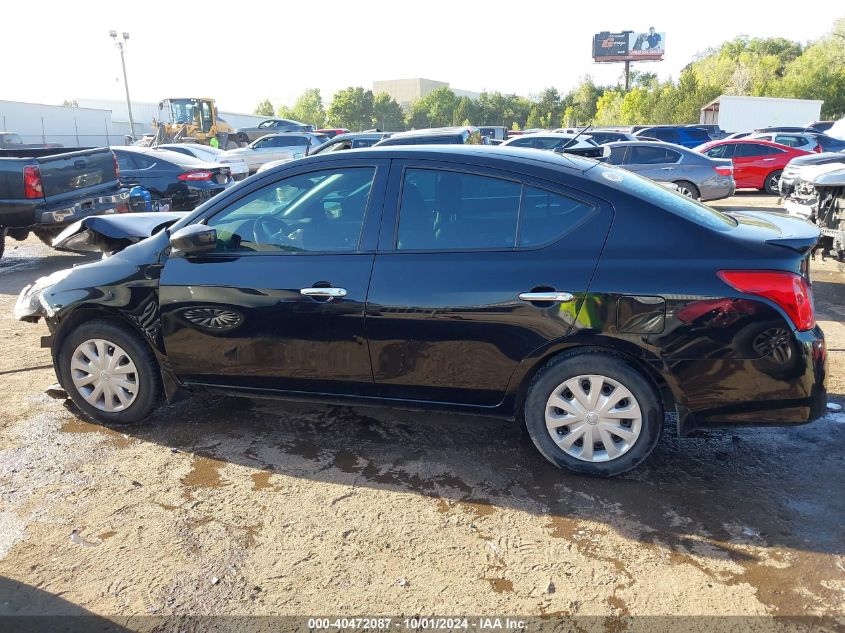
687	189
109	372
771	185
593	413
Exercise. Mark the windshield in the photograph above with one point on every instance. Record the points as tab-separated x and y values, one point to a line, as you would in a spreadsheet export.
662	197
183	110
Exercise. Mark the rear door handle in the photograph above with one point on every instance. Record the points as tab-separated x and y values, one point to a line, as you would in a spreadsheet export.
554	295
324	293
667	169
766	160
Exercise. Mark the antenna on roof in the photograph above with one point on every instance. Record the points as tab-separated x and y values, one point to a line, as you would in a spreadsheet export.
577	136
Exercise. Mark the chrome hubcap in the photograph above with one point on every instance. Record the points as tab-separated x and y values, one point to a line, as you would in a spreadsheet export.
593	418
104	375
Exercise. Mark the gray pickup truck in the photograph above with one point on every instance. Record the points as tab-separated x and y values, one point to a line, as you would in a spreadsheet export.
44	190
10	140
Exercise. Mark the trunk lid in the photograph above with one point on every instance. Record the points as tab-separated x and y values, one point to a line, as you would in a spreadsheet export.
777	230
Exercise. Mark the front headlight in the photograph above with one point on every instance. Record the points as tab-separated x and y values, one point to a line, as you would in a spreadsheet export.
30	306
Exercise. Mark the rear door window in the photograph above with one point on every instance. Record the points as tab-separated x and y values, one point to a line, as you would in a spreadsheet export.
617	155
648	155
446	210
750	150
668	135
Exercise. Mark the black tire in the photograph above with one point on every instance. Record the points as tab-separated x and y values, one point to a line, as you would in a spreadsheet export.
47	234
772	180
684	186
570	365
149	392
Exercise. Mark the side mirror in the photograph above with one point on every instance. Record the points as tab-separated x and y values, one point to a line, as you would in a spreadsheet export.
196	238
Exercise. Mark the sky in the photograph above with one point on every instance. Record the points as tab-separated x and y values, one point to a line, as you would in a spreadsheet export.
242	53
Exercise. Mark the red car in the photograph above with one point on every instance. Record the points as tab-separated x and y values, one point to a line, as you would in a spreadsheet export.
757	164
332	131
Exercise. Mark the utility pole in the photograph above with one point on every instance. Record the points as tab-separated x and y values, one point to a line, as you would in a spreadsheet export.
121	47
627	75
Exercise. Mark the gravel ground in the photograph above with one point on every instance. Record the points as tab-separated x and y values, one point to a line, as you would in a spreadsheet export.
238	507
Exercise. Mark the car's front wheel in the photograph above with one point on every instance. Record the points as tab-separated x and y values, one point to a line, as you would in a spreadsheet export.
109	372
593	413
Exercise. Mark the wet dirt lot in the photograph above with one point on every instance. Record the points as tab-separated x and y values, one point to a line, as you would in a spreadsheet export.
232	506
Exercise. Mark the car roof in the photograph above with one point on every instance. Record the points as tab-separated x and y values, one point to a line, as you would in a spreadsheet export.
553	135
434	131
748	141
506	156
641	143
290	134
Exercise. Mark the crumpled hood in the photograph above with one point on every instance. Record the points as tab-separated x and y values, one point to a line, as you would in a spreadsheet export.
113	233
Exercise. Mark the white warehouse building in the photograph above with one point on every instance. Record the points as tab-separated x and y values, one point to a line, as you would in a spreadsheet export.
95	122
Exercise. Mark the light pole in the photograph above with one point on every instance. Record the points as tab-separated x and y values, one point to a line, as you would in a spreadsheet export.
121	47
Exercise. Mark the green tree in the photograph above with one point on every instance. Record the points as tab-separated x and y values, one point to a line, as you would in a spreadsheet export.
466	109
352	108
307	109
387	113
609	108
264	108
819	73
583	100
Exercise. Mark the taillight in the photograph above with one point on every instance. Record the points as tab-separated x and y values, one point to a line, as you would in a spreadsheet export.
788	290
32	187
196	175
116	166
727	170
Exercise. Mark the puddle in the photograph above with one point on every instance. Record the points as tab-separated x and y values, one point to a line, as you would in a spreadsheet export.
205	473
303	449
346	461
75	425
500	585
261	481
479	507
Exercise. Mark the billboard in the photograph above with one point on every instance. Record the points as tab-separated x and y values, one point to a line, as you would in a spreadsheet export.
628	46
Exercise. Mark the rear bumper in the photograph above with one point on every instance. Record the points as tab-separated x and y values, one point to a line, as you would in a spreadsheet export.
97	205
755	392
718	192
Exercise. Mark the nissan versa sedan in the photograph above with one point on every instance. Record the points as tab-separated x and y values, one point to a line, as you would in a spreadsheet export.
579	299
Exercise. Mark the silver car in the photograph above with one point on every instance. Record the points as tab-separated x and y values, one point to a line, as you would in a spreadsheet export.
272	126
277	147
696	175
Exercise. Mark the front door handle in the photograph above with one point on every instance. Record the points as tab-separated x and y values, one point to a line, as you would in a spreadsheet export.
554	295
323	293
667	169
768	160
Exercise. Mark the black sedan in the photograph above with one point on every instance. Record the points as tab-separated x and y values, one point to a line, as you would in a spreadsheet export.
578	299
185	180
